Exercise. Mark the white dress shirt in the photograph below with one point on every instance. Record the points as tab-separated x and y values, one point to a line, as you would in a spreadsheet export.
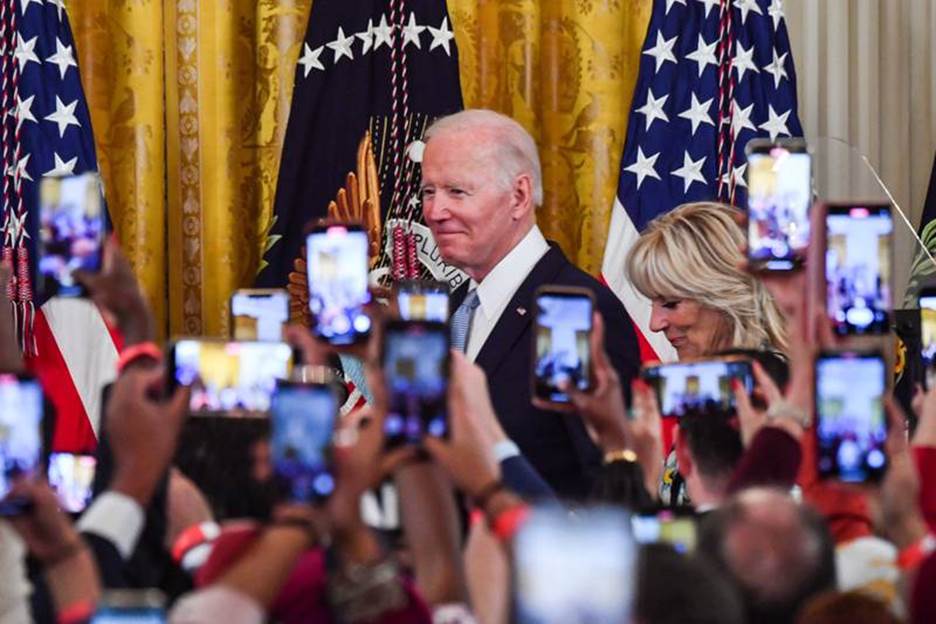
499	286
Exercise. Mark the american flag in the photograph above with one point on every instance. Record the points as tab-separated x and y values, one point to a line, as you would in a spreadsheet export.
713	75
46	131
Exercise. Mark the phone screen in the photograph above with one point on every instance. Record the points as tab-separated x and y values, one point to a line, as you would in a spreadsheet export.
71	476
563	355
233	377
71	232
703	386
678	531
779	197
21	410
574	568
423	301
337	269
259	315
851	425
303	421
858	268
129	615
928	336
415	365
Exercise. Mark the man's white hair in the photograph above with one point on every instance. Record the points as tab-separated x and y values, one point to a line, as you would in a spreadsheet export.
514	148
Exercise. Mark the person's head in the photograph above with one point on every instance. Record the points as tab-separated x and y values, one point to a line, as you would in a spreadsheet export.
674	588
687	263
853	607
778	553
708	448
481	184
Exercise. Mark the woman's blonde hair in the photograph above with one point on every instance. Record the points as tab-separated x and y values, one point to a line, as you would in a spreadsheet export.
693	252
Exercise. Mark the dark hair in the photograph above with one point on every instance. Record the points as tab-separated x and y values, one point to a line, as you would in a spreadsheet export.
713	441
622	483
851	607
803	549
675	589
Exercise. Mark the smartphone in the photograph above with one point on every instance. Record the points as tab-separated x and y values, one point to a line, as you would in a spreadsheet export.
574	568
779	181
337	263
416	369
236	378
703	386
858	267
131	606
851	425
667	528
927	303
302	424
72	226
71	476
423	301
561	348
21	411
259	314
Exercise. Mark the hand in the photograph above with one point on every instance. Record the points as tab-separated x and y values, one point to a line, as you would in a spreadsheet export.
467	455
602	407
116	291
646	434
925	404
752	419
898	494
47	532
142	431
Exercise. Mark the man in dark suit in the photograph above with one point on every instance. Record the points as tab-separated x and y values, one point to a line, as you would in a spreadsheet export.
481	186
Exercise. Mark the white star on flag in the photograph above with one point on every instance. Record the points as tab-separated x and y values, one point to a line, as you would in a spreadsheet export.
653	109
704	55
777	68
709	4
310	59
367	37
745	6
670	3
59	5
441	37
690	172
776	124
738	174
644	166
775	11
411	32
744	61
342	45
24	51
697	113
62	167
18	171
64	115
383	34
63	57
741	119
663	50
23	111
24	4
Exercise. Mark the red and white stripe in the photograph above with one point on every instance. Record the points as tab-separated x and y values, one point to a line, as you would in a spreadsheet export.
76	357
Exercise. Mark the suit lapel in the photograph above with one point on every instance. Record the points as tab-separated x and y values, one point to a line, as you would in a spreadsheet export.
516	317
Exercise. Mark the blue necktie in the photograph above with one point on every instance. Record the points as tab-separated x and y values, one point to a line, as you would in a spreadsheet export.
461	320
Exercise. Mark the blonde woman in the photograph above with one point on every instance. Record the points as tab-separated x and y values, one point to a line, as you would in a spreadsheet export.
687	263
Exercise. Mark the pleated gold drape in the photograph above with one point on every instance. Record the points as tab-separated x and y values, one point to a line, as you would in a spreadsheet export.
190	98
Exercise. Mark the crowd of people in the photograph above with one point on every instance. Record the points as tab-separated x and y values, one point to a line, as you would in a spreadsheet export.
760	537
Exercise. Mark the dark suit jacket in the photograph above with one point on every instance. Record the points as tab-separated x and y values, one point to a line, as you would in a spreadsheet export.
556	444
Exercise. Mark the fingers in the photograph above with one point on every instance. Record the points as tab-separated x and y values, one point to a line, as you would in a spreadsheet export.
649	412
313	351
439	451
897	426
766	383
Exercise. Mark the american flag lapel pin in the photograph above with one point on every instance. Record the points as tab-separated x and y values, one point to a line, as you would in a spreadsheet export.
521	311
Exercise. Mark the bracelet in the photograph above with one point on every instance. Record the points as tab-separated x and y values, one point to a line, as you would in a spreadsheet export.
914	554
361	593
136	352
76	613
193	536
482	498
620	455
785	409
509	521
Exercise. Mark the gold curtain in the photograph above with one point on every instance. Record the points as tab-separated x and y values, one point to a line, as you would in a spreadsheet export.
189	101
